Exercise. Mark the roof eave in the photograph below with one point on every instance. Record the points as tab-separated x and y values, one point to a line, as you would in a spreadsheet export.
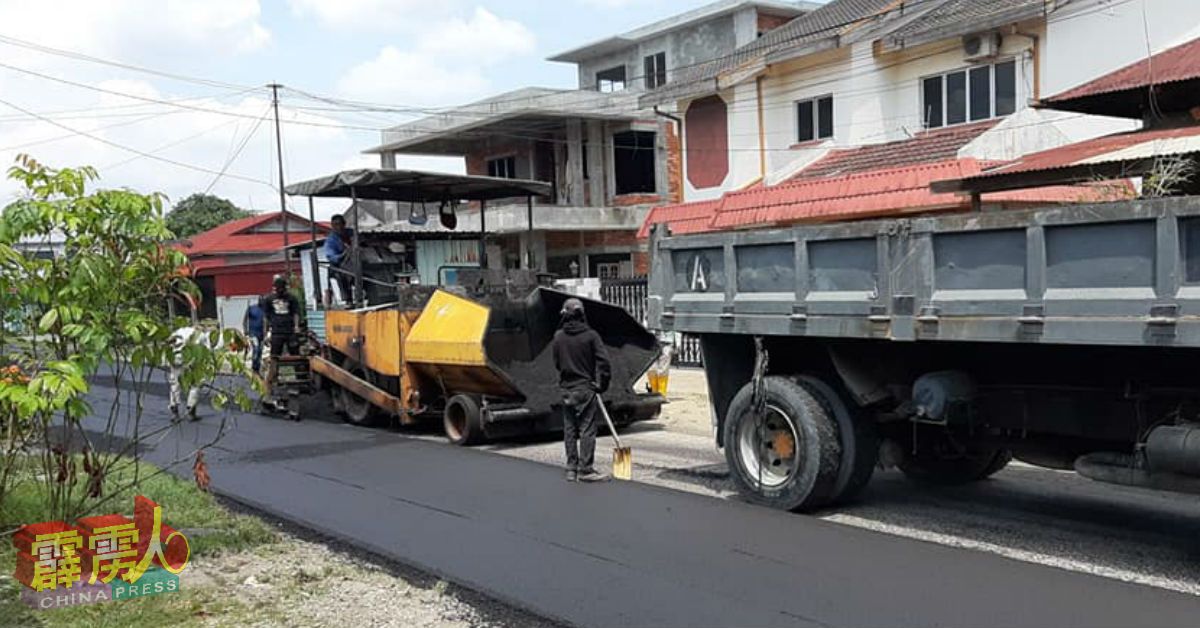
811	48
959	29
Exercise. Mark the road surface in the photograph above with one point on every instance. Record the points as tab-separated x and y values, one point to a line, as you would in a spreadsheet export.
639	554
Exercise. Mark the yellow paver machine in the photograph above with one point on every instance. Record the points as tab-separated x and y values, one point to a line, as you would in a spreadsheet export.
474	349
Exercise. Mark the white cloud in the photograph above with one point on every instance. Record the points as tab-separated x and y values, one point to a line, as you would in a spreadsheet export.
484	38
144	28
445	66
370	14
410	78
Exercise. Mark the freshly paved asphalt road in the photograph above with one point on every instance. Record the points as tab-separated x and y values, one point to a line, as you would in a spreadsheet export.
624	554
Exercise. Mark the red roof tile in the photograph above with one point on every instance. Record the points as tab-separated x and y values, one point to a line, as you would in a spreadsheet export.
925	147
239	236
1176	64
873	194
683	217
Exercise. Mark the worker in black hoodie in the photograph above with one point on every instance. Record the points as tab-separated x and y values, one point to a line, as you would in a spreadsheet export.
583	374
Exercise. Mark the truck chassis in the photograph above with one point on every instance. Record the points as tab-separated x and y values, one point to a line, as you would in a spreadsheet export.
946	346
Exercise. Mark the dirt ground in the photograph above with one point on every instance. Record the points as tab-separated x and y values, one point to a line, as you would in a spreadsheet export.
302	582
687	409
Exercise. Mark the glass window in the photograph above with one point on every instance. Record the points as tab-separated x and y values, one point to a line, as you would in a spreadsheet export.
504	167
814	119
978	93
981	93
932	111
1006	88
825	117
804	113
956	98
656	70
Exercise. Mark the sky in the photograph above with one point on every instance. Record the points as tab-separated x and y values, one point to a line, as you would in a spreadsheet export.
199	119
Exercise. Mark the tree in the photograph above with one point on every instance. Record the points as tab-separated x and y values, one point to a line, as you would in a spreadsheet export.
200	212
98	313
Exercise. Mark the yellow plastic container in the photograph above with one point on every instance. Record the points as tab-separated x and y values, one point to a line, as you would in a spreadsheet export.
658	382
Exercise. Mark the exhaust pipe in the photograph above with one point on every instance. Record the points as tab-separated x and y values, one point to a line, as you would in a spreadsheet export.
1129	470
1174	449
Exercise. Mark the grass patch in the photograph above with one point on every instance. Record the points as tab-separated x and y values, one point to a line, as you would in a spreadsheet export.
210	528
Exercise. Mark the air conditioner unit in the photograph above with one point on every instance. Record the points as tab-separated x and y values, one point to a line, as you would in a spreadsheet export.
981	46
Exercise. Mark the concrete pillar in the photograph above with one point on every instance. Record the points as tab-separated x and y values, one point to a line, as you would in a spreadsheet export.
561	185
662	173
536	245
597	168
391	209
574	168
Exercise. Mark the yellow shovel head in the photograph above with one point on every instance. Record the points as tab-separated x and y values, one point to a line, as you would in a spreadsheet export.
622	463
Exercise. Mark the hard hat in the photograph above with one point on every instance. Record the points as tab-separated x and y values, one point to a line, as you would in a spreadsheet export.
572	305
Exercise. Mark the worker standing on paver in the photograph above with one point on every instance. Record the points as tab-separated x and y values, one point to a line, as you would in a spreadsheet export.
337	251
583	374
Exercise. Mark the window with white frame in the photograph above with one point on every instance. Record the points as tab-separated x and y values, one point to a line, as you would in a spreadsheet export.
814	119
978	93
656	70
502	167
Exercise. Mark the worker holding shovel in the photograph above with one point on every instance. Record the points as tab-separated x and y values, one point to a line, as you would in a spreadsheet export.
583	374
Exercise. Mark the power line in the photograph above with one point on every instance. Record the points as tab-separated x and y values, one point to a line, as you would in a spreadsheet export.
168	145
233	157
70	135
126	148
13	41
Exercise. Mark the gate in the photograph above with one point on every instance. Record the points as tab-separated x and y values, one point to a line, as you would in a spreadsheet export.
631	294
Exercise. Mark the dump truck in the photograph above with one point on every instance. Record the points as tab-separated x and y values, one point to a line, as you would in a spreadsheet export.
473	347
946	346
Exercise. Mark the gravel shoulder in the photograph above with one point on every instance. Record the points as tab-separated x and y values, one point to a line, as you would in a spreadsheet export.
305	580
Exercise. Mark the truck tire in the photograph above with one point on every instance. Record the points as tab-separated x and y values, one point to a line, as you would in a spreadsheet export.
356	410
973	466
462	421
788	460
857	435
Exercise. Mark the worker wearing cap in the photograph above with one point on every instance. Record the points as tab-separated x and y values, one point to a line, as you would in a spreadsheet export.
283	320
583	374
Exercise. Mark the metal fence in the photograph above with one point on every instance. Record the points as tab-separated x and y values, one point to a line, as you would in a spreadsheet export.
631	294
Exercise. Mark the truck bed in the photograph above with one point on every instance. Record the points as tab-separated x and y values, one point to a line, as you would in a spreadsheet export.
1125	273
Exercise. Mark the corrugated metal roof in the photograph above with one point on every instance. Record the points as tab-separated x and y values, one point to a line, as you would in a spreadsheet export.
1180	63
239	236
1109	149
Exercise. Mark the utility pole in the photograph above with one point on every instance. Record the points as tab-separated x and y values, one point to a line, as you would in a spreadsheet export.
287	260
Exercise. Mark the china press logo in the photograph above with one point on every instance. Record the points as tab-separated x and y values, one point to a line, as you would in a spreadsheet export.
101	559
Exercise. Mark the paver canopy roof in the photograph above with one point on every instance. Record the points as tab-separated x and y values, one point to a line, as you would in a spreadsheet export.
413	186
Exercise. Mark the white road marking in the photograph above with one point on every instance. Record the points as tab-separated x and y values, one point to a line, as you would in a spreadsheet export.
1015	554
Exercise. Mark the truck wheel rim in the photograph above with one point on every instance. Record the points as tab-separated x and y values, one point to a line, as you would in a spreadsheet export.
774	453
456	421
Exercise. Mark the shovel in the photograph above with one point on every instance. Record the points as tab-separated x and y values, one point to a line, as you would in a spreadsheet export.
622	458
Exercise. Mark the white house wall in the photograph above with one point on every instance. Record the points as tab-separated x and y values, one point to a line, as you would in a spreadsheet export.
1090	38
876	99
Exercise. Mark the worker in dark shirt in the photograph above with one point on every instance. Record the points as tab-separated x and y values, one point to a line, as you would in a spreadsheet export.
583	374
283	320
